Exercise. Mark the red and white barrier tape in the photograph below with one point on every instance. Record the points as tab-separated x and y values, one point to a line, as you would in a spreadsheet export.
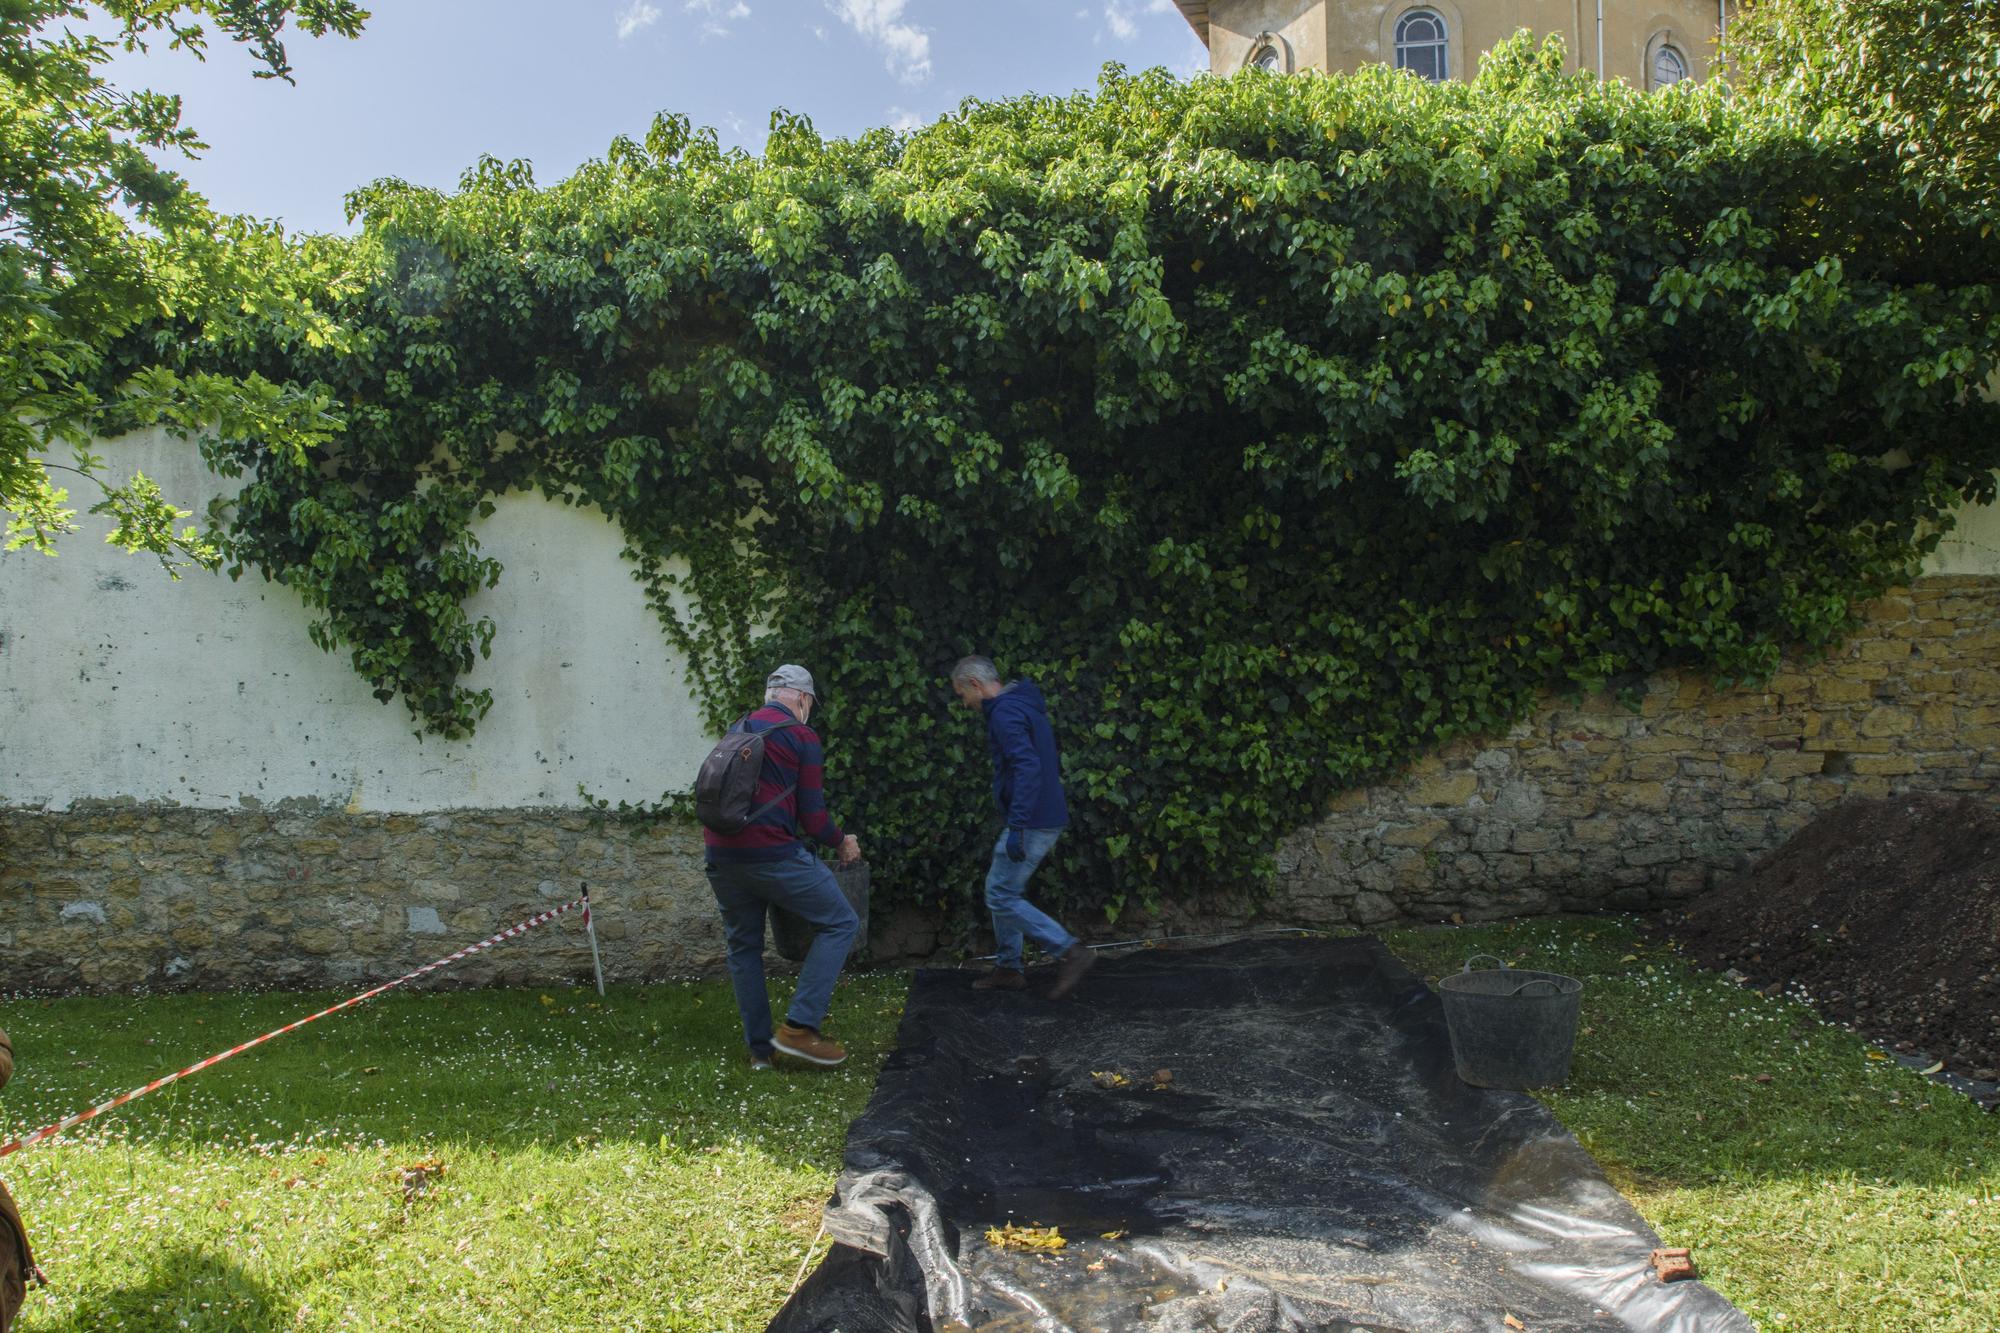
50	1131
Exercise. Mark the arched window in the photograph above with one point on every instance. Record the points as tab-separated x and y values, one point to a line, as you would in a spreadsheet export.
1271	53
1669	66
1421	44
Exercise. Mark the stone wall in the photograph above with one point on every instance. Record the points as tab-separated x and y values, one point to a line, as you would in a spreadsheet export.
118	896
1587	805
1591	805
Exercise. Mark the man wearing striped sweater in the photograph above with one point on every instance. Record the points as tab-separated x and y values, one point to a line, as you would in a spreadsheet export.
769	865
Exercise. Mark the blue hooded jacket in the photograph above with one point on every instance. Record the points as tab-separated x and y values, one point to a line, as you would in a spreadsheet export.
1027	775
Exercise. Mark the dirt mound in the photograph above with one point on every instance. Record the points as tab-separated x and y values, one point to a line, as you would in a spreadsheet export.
1887	912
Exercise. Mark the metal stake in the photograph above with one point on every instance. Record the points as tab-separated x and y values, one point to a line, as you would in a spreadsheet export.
590	929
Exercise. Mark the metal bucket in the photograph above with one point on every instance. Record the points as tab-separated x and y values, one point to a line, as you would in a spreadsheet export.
792	935
1510	1027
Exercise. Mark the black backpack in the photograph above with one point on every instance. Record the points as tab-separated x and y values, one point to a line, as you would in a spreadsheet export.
727	782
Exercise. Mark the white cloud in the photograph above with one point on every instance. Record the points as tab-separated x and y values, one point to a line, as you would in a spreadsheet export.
1123	17
903	121
881	22
637	15
717	15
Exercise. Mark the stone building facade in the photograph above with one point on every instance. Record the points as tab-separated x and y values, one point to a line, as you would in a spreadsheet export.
1647	43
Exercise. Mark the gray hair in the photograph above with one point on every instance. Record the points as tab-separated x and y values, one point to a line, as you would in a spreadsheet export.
975	669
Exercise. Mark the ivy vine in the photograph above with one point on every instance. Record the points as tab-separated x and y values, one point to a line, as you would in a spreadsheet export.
1282	428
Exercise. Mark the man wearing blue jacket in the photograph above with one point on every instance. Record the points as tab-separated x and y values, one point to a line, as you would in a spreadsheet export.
1027	786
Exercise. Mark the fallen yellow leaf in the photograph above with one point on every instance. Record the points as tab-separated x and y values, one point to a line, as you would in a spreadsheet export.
1011	1237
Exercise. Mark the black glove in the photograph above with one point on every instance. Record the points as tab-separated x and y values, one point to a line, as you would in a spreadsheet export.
1017	844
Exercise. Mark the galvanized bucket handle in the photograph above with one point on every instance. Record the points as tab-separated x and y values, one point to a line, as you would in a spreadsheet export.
1495	957
1554	989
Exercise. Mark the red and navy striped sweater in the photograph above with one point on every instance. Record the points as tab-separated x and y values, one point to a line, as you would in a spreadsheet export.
791	756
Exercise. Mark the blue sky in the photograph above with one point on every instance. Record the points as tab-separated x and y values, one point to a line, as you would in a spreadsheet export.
431	84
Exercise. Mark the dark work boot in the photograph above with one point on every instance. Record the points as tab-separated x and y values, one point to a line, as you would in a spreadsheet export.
1002	978
1076	960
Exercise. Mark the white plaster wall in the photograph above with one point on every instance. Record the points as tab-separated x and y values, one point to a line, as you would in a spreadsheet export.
116	682
1971	547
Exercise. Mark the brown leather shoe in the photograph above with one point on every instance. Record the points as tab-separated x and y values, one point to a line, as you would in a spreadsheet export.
809	1046
1002	978
1078	959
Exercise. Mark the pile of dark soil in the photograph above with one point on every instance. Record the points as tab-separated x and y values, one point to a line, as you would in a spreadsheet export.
1887	912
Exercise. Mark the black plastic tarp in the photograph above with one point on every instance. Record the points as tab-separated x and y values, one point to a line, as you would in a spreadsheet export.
1266	1135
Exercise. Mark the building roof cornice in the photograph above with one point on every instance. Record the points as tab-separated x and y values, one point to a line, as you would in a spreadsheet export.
1196	13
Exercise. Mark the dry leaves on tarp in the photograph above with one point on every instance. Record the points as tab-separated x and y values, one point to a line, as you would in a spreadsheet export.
1011	1237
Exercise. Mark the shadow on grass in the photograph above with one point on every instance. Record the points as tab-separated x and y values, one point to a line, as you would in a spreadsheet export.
184	1287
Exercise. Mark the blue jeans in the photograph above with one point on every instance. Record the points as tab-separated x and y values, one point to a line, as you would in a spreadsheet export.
1013	915
801	884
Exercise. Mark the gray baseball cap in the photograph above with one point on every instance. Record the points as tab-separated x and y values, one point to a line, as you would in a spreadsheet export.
789	677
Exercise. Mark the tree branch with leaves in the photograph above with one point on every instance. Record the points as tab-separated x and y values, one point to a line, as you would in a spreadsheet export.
99	237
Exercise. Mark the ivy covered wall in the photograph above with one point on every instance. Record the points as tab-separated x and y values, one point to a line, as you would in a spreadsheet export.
1285	429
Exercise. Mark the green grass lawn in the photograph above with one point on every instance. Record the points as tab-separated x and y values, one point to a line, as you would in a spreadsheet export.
615	1164
1820	1185
608	1165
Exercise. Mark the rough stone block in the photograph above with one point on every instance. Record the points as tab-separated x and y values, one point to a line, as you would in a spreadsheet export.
1653	768
1638	795
1740	765
1882	650
1421	834
1794	763
1596	831
1833	690
1445	789
1885	764
1412	874
320	941
1369	909
1535	840
1653	854
1887	722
